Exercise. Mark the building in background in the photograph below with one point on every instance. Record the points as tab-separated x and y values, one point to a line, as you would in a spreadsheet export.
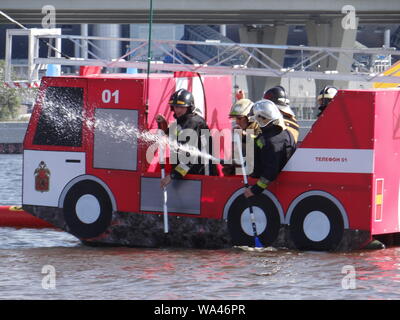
302	92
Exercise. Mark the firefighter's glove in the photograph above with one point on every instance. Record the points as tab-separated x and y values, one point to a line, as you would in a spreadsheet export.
162	123
260	186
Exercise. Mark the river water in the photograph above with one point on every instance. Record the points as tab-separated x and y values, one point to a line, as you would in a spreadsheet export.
49	264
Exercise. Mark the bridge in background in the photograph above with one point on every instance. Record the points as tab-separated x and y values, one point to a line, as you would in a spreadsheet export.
262	22
203	12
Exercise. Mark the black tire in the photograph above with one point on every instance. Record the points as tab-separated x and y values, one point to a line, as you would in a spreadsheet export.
101	220
238	234
325	236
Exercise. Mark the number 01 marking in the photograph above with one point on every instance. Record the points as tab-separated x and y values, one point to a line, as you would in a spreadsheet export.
106	96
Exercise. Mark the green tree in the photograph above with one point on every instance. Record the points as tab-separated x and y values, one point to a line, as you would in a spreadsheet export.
9	98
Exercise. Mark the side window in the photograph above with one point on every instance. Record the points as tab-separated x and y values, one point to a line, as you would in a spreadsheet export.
60	121
115	142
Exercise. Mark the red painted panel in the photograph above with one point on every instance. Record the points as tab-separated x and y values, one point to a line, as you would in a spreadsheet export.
160	90
386	162
12	216
218	101
352	190
116	94
347	123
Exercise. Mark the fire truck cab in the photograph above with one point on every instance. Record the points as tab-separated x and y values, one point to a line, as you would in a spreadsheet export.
85	169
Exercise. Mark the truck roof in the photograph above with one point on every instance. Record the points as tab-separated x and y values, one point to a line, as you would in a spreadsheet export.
120	76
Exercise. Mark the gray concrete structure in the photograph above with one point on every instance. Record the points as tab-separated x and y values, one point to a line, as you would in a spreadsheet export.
159	32
328	34
332	34
12	132
203	12
107	49
275	35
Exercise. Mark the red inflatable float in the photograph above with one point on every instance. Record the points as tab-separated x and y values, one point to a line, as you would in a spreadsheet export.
14	216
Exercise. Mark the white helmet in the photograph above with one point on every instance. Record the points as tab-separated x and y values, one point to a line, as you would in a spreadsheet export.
241	108
326	95
265	112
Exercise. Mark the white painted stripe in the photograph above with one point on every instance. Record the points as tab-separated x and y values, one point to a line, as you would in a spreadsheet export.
10	84
20	84
331	160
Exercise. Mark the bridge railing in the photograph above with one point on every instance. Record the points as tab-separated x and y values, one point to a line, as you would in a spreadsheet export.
203	33
233	58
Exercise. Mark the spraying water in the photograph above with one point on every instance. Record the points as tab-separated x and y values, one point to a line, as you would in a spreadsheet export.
65	115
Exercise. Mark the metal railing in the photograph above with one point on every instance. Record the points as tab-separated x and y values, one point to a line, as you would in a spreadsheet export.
233	58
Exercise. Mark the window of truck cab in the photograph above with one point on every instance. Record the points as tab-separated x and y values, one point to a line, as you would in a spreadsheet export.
60	123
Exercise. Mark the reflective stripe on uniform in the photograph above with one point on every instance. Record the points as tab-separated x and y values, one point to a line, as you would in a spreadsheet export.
262	182
183	169
176	102
291	124
260	143
293	128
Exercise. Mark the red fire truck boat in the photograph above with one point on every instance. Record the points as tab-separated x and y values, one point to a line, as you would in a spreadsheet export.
87	176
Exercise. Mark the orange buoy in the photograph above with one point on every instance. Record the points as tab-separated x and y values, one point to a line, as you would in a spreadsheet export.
14	216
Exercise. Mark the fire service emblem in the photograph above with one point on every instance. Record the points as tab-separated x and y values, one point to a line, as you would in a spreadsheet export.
42	177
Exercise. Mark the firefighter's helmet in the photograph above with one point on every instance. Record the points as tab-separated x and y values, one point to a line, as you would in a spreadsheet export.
241	107
182	98
326	95
265	112
278	96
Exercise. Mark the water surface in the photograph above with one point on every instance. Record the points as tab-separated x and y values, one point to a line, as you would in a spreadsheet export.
83	272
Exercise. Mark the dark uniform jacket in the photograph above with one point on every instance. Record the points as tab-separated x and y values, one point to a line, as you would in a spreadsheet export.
230	169
196	123
273	149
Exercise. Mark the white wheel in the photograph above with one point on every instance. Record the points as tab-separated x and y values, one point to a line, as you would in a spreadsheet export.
88	208
259	217
316	226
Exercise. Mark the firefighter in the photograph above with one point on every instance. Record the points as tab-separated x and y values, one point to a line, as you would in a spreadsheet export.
325	97
240	113
278	96
274	146
182	104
